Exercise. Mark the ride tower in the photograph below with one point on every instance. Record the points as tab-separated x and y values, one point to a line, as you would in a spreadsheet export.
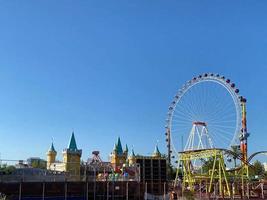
244	138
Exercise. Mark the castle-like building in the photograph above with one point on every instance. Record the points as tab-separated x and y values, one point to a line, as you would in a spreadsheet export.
123	164
120	157
71	163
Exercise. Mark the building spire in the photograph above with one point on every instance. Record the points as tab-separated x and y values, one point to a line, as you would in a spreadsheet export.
156	152
132	154
119	147
52	148
72	144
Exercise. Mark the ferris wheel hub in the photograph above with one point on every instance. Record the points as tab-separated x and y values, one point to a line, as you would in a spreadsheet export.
199	123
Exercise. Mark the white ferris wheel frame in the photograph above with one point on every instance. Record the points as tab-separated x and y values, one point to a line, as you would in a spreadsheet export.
208	77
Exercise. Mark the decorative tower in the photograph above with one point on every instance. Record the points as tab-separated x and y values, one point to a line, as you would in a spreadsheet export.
71	158
156	153
118	156
126	151
132	158
51	156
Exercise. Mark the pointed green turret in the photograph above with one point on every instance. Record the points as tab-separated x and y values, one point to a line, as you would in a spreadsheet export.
52	148
119	147
132	154
156	152
126	148
132	158
72	144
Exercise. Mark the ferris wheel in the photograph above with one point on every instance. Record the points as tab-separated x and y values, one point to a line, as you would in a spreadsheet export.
205	113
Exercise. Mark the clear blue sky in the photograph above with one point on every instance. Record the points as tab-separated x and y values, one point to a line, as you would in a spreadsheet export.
110	68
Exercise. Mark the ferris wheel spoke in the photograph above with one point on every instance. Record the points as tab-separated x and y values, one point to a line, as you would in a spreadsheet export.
221	139
224	121
206	113
223	117
182	118
225	133
222	126
183	114
187	110
183	109
191	106
221	111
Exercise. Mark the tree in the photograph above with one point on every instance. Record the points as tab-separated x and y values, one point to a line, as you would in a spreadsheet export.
257	169
236	150
38	164
5	169
208	164
171	172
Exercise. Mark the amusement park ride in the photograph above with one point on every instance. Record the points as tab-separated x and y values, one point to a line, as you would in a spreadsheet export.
209	111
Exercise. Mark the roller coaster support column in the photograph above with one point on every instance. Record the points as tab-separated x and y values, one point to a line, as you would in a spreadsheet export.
244	137
216	175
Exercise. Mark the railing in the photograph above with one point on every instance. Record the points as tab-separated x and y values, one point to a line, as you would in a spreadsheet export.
62	178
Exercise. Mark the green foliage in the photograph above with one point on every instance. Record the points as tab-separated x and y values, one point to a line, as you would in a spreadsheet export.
257	170
5	169
208	164
237	153
171	172
38	164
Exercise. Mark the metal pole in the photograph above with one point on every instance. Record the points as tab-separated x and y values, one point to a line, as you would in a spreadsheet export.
164	191
200	189
127	193
43	190
146	191
233	189
94	182
86	189
66	190
248	190
20	191
107	190
262	192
